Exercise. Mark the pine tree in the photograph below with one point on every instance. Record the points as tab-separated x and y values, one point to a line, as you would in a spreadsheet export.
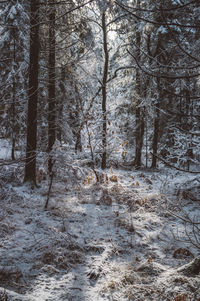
31	144
51	84
13	55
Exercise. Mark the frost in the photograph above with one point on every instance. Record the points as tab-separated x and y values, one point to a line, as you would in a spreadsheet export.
82	248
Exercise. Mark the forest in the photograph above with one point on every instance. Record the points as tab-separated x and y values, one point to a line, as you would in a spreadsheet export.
99	150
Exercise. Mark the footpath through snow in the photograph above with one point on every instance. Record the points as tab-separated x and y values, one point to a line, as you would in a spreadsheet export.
113	241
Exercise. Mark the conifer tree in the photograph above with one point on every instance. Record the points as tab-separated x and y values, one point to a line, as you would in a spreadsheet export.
13	71
31	144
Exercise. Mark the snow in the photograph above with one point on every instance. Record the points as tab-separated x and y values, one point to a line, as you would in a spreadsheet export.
12	13
110	241
4	149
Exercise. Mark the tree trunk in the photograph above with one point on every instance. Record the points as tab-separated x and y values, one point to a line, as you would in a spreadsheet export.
104	92
13	101
157	111
78	144
31	144
51	86
155	136
60	104
140	125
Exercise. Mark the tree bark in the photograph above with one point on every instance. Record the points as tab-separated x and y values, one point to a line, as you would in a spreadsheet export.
104	92
13	108
140	125
60	104
157	110
31	144
78	144
155	136
51	86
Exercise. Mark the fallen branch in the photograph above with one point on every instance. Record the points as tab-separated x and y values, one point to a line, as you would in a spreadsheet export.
192	268
11	162
186	220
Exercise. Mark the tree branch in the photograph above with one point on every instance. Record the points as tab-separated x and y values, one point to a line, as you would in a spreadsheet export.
172	166
162	75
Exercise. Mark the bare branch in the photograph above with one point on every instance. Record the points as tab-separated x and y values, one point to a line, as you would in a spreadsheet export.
162	75
172	166
156	10
157	23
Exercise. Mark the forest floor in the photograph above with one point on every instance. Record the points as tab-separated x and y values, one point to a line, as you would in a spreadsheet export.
115	241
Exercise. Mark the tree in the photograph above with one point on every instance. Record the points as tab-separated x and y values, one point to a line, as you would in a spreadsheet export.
51	84
137	89
139	130
31	144
104	89
170	68
103	21
13	70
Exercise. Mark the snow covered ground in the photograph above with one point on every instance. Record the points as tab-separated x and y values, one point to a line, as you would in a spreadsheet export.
4	149
98	242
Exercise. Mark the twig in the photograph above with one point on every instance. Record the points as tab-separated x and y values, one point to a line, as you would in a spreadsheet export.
183	219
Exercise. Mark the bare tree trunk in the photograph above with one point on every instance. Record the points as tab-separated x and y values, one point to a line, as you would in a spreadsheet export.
78	144
187	125
155	136
104	92
31	144
157	112
51	86
60	104
140	124
13	101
